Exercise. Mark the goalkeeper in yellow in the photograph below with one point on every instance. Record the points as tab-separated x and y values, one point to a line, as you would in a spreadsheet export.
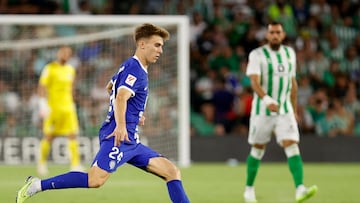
57	108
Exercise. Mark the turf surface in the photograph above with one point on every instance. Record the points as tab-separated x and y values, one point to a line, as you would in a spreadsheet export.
204	183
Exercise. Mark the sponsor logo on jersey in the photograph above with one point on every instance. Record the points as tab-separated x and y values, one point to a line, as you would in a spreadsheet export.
130	80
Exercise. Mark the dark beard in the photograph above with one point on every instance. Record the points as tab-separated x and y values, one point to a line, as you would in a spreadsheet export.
275	47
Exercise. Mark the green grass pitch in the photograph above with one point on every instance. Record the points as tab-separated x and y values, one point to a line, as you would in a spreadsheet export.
204	183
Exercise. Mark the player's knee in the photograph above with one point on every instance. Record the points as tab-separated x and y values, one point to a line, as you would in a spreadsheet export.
287	143
96	182
97	177
173	173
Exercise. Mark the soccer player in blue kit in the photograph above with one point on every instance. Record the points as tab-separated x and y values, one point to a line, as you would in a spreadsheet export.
119	140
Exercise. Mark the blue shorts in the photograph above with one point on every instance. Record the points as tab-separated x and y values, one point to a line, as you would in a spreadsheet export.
109	157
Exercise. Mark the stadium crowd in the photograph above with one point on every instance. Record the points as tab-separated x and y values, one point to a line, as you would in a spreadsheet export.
324	33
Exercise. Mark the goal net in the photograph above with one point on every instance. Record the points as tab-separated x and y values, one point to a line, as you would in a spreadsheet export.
100	44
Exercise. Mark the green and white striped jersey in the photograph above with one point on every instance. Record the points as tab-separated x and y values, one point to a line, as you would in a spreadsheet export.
276	70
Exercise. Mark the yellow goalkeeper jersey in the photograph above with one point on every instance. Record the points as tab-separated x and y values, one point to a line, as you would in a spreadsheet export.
58	80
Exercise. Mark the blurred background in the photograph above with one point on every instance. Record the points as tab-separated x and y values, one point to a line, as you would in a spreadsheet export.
324	33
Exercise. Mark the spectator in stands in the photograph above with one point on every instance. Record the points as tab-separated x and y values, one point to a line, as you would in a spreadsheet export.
328	125
305	90
205	43
239	25
282	11
9	104
204	87
321	10
352	105
250	42
346	118
220	16
301	11
203	123
340	87
357	42
318	65
351	63
332	47
338	121
223	101
197	26
224	56
243	111
317	106
329	77
90	51
344	30
215	24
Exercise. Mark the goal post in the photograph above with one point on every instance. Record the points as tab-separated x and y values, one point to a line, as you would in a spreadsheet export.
168	105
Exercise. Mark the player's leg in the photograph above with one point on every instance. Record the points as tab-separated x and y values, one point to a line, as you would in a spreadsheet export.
98	174
70	127
296	168
34	185
295	163
151	161
74	155
259	135
44	150
164	168
253	163
289	141
49	132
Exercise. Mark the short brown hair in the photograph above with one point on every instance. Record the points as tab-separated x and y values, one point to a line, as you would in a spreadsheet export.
147	30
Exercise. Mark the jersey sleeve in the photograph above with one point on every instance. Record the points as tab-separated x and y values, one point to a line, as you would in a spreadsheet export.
128	79
254	64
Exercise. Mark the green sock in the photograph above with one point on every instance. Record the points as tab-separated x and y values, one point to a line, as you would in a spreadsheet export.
252	168
296	169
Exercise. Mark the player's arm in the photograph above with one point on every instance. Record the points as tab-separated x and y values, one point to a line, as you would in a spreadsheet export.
253	70
120	106
271	104
294	85
293	95
44	108
255	85
109	86
42	92
142	120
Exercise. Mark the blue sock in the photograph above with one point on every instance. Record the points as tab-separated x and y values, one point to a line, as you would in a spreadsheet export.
67	180
176	192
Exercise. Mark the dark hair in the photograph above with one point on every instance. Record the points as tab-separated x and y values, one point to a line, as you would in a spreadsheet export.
147	30
275	23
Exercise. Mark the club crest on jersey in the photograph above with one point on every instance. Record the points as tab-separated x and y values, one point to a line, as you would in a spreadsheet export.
112	164
281	67
130	80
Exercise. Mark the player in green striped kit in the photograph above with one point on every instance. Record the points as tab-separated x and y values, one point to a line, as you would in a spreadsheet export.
272	70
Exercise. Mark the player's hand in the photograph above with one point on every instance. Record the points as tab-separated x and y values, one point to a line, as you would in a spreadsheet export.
120	135
44	109
271	103
273	107
142	120
298	118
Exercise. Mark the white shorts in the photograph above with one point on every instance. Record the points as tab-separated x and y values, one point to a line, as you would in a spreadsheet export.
283	126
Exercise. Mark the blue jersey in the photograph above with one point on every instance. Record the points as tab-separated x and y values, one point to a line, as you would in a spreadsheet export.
133	77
